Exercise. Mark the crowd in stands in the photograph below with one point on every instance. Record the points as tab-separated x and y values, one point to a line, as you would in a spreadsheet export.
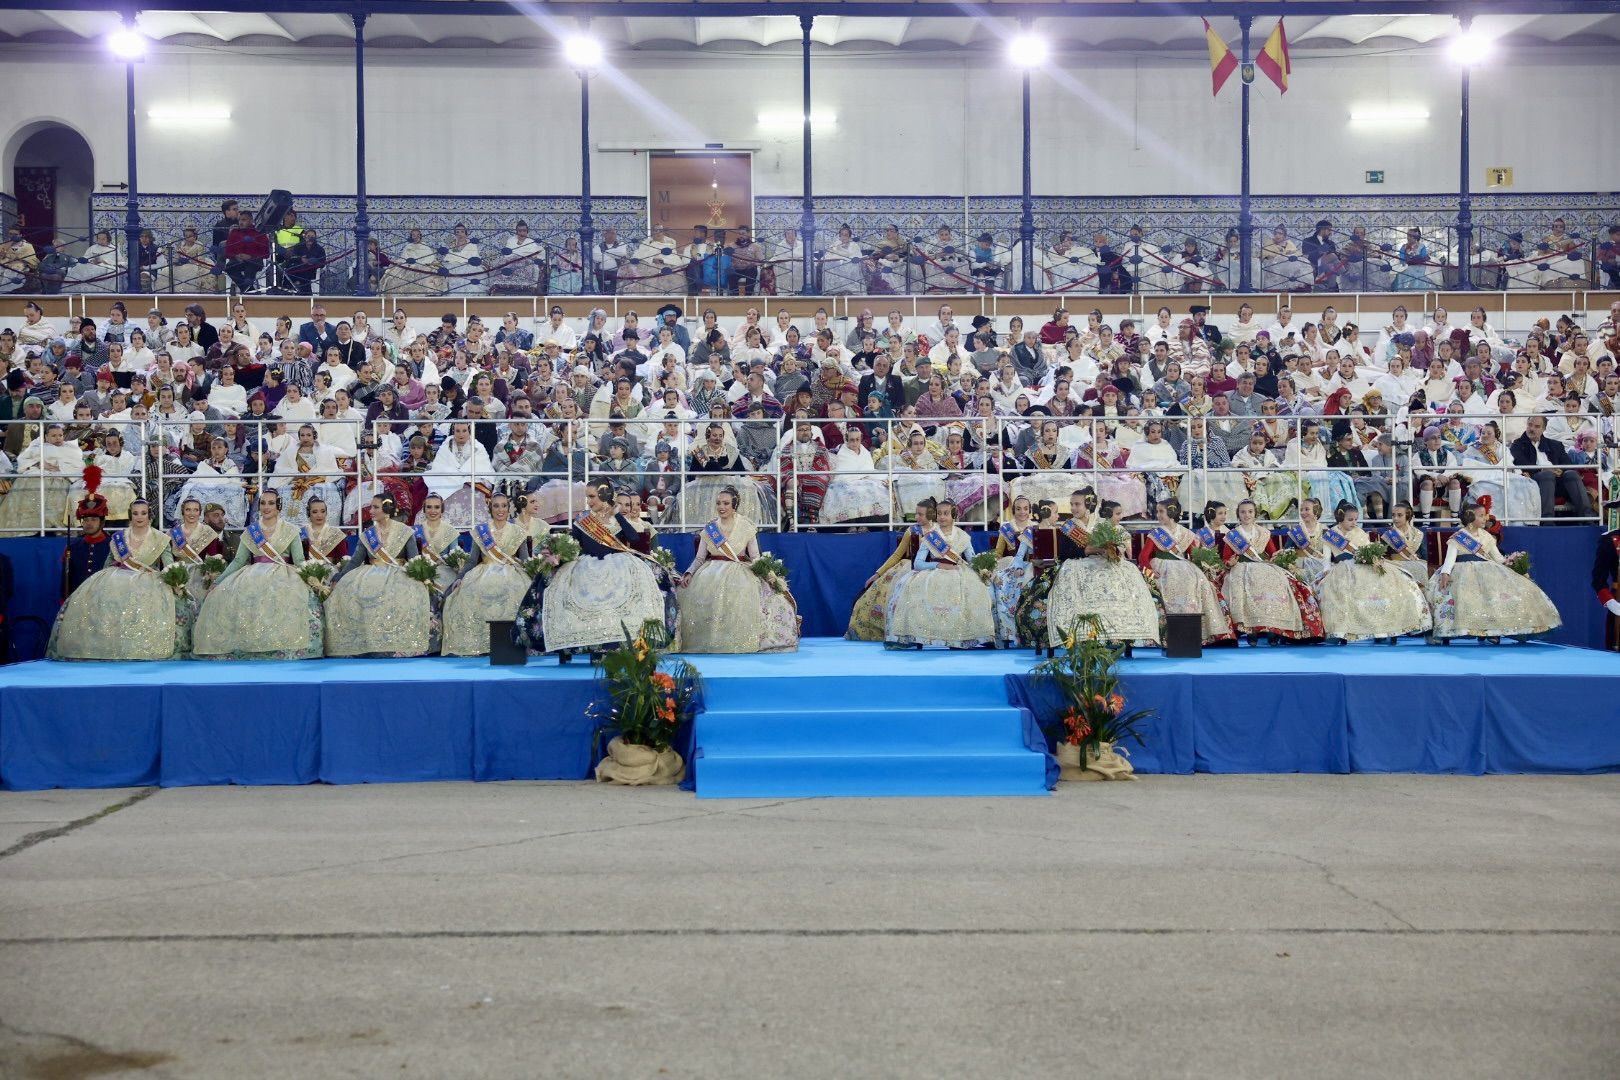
818	422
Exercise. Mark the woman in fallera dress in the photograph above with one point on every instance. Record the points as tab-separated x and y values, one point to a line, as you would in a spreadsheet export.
375	608
323	540
1474	594
1365	601
493	586
191	541
1408	545
435	537
1261	597
125	611
1183	587
1106	583
724	607
1015	545
591	602
871	611
260	609
942	602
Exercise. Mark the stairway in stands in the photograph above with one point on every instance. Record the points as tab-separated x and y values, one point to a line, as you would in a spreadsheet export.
864	735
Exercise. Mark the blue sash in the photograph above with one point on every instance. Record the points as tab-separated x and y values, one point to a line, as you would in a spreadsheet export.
486	535
716	536
1466	542
421	537
255	534
1162	537
120	546
916	530
1395	540
373	541
177	536
1297	536
1013	536
303	532
1336	539
1206	536
937	544
1237	542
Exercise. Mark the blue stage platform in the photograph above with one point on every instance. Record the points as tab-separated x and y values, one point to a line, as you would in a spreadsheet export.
1465	708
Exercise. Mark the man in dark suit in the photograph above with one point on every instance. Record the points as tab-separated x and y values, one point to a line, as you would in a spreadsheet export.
1546	462
318	334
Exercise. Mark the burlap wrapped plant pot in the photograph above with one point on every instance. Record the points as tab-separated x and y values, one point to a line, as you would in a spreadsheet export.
630	764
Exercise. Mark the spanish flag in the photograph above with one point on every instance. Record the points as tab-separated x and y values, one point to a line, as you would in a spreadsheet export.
1273	58
1221	61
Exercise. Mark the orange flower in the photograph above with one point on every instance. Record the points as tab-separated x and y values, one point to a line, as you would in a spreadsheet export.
1116	702
663	681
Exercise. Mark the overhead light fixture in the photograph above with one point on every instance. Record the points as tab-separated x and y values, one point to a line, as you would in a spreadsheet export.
1389	114
127	43
582	51
818	118
1027	51
189	114
1471	47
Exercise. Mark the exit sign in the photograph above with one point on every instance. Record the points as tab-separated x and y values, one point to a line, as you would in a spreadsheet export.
1375	176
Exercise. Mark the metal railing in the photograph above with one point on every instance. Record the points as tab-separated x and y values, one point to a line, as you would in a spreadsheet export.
995	462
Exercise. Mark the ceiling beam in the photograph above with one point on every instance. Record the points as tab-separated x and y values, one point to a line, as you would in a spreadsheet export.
856	9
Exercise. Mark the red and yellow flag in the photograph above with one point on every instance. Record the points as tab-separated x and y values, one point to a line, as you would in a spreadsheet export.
1273	59
1221	61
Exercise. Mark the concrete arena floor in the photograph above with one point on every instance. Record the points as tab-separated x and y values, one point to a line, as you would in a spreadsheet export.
1203	926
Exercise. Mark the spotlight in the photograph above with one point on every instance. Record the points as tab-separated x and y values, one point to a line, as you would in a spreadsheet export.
1471	47
127	43
1027	51
582	51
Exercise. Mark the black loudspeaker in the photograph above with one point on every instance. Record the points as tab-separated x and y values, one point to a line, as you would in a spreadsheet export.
275	207
502	651
1184	636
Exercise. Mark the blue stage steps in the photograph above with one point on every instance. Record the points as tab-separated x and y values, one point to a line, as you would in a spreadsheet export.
922	734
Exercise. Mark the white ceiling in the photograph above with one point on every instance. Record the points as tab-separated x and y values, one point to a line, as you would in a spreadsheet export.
400	31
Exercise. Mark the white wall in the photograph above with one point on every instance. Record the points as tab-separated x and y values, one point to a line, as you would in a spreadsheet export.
491	123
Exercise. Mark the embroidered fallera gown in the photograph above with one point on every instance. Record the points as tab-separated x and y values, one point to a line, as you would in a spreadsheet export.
491	589
726	608
1360	601
260	608
591	602
124	611
939	604
375	608
1485	598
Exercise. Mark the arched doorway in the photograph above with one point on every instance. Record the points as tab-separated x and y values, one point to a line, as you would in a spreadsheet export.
52	174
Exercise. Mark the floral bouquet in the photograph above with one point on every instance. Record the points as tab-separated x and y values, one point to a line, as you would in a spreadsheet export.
318	576
1372	554
422	569
558	550
665	558
1208	560
646	698
176	576
984	564
1092	718
1519	563
1109	537
212	566
1288	559
772	571
455	558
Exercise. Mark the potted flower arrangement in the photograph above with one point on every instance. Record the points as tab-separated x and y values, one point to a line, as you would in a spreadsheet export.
984	564
648	695
1092	721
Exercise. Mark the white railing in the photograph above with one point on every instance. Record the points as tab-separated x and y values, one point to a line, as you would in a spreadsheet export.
166	461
